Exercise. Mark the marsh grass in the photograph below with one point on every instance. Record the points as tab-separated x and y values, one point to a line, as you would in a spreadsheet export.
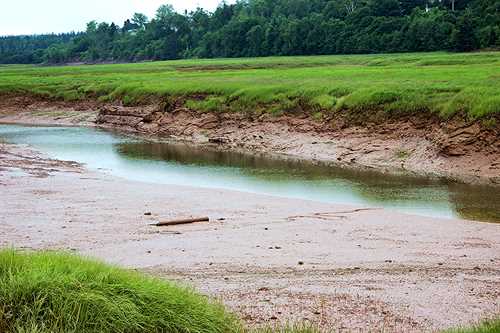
53	292
439	83
489	326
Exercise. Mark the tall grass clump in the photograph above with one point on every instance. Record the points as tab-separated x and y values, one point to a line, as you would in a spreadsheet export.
489	326
54	292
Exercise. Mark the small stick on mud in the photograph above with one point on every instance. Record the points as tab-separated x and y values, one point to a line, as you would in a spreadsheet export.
184	221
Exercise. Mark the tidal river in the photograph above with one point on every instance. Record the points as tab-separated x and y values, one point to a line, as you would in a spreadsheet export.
180	164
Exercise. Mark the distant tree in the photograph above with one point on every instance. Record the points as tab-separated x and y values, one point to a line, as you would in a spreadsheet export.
255	41
165	12
140	20
350	5
407	6
91	27
385	7
332	9
56	54
463	37
129	26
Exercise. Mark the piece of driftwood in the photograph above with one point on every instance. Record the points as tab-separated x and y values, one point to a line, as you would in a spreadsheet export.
184	221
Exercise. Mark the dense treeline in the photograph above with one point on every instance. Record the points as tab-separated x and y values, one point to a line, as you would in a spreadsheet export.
273	27
30	49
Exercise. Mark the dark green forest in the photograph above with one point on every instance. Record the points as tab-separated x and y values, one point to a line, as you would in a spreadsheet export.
256	28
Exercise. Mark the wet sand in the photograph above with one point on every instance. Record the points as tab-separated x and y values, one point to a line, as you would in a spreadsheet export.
270	259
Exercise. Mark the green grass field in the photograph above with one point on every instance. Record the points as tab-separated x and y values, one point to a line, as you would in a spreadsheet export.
42	292
440	83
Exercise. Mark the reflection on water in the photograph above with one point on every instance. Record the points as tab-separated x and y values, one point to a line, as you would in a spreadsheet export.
480	203
179	164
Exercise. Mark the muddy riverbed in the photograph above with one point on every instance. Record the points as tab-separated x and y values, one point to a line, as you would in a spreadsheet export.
370	262
172	163
270	259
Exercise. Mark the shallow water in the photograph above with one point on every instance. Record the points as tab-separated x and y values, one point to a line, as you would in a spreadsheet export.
179	164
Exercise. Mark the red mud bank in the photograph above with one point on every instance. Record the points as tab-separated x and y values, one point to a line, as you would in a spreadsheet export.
467	151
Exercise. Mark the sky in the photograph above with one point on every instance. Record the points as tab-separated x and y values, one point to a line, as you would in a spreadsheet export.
20	17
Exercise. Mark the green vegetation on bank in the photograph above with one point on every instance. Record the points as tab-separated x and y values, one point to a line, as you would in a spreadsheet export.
489	326
255	28
59	293
362	85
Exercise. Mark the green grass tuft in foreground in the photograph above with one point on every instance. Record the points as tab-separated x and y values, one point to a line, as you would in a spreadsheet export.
49	292
362	85
489	326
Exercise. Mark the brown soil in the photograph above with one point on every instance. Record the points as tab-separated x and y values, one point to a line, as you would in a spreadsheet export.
270	259
456	149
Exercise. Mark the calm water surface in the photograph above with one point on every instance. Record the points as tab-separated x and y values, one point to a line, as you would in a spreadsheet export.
168	163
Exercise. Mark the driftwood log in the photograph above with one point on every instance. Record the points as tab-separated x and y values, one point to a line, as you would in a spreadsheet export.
184	221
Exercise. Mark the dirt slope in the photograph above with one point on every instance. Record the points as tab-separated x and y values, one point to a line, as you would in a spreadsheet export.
460	150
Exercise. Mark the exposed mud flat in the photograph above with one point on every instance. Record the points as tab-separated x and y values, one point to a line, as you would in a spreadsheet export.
456	149
29	162
269	259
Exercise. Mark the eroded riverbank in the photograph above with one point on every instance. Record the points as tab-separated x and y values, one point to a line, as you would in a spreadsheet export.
268	258
458	150
174	163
